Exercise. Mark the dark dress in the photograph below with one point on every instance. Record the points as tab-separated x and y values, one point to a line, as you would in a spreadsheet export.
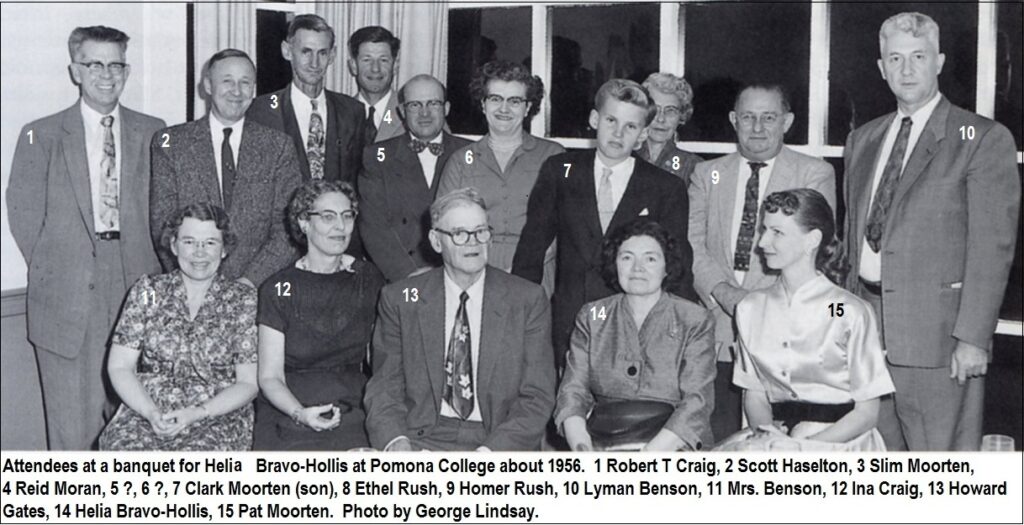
185	362
326	320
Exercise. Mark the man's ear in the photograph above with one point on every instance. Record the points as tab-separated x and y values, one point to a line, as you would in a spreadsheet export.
435	240
286	50
595	118
733	120
787	121
352	69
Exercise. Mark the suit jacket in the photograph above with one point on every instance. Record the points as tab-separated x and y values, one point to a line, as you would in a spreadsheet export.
566	207
515	380
343	144
394	216
949	237
711	219
185	172
388	130
49	204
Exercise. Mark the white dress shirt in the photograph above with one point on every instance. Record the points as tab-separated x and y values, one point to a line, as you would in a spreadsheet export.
429	161
871	262
741	199
621	173
303	107
94	154
474	310
380	108
217	136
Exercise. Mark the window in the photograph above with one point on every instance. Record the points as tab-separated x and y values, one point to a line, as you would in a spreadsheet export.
273	71
1009	70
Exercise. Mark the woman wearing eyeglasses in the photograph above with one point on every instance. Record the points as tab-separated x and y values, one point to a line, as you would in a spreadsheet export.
314	327
674	98
505	163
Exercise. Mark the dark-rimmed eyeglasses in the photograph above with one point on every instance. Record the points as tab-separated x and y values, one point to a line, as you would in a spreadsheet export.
97	68
461	237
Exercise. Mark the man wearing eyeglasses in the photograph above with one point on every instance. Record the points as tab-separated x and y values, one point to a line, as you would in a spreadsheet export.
400	179
461	354
77	204
725	196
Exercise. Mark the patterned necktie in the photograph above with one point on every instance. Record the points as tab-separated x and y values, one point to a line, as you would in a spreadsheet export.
418	146
605	204
458	364
315	144
108	178
745	239
887	187
227	175
369	128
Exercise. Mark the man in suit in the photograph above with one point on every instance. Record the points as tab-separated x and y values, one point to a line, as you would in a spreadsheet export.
400	179
249	169
373	61
725	196
932	196
580	197
462	353
78	212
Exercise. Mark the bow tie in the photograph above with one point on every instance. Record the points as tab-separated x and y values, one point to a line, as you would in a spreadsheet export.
418	146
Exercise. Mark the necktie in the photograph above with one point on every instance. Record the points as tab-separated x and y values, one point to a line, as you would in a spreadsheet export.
745	239
887	187
108	177
315	144
418	146
369	128
605	204
458	364
227	175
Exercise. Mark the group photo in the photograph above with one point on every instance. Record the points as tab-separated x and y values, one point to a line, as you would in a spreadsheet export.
689	226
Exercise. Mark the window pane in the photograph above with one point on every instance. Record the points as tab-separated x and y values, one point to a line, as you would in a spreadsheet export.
857	92
475	37
1013	301
732	44
273	72
591	45
1009	70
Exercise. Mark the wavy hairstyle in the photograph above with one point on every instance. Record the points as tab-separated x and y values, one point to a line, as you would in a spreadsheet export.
304	197
509	72
811	211
674	269
203	211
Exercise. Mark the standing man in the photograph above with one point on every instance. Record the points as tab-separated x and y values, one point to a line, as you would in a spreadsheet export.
725	196
932	200
78	211
249	169
373	61
462	353
400	179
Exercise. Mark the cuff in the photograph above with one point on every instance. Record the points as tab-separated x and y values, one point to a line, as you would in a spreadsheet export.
392	442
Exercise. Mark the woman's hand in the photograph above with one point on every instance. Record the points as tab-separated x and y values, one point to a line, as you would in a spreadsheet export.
664	441
312	418
575	428
177	420
156	420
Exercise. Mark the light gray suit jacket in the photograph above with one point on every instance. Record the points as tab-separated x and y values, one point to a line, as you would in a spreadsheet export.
389	130
711	217
49	204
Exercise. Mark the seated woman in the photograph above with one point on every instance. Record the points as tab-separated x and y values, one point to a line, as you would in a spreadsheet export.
314	323
810	360
195	332
642	344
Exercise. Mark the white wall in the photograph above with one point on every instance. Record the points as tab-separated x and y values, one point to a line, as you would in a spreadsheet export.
35	81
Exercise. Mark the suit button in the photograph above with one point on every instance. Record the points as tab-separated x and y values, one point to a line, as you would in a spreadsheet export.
785	344
412	252
405	221
92	286
419	432
631	371
698	446
793	395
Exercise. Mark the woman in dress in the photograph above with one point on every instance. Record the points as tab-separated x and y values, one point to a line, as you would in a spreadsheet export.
195	333
811	362
641	344
674	98
503	165
314	324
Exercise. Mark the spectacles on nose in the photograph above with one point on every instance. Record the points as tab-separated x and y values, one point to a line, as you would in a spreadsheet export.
669	112
415	105
748	120
332	217
461	237
497	100
97	68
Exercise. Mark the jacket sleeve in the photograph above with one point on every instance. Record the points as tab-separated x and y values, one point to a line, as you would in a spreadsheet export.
276	251
386	412
574	396
541	223
692	417
163	194
706	274
27	188
381	241
822	178
675	219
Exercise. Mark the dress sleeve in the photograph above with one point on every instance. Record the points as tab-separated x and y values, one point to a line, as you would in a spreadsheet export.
245	336
574	396
869	377
744	375
270	312
131	327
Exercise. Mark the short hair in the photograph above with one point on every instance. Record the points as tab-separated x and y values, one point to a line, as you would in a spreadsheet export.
626	91
454	199
304	197
225	54
373	35
508	71
917	24
672	85
674	268
811	211
203	211
310	23
769	87
97	34
421	76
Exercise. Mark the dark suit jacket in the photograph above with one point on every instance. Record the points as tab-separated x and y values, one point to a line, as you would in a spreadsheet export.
394	213
185	172
49	204
516	382
948	241
566	207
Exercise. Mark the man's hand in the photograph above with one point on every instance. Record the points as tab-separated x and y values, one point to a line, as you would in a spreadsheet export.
728	296
968	361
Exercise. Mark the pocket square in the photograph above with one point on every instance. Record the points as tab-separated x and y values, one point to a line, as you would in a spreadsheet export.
645	212
957	285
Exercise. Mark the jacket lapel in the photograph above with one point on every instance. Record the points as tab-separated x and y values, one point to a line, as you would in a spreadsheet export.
632	198
430	317
724	199
409	167
291	127
926	148
132	150
332	157
442	159
492	326
202	156
586	193
78	163
862	171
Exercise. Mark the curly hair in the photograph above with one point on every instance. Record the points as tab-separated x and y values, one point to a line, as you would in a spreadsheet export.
811	211
203	211
509	72
304	197
674	269
672	85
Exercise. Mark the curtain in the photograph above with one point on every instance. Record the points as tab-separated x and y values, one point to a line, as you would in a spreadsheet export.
220	26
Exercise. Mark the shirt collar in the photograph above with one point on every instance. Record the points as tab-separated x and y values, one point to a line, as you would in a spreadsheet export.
91	118
475	290
217	128
381	104
923	113
299	97
623	167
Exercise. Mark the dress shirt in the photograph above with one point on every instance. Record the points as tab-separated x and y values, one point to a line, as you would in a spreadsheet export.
621	173
94	152
474	309
217	134
741	198
303	108
870	261
428	161
379	108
